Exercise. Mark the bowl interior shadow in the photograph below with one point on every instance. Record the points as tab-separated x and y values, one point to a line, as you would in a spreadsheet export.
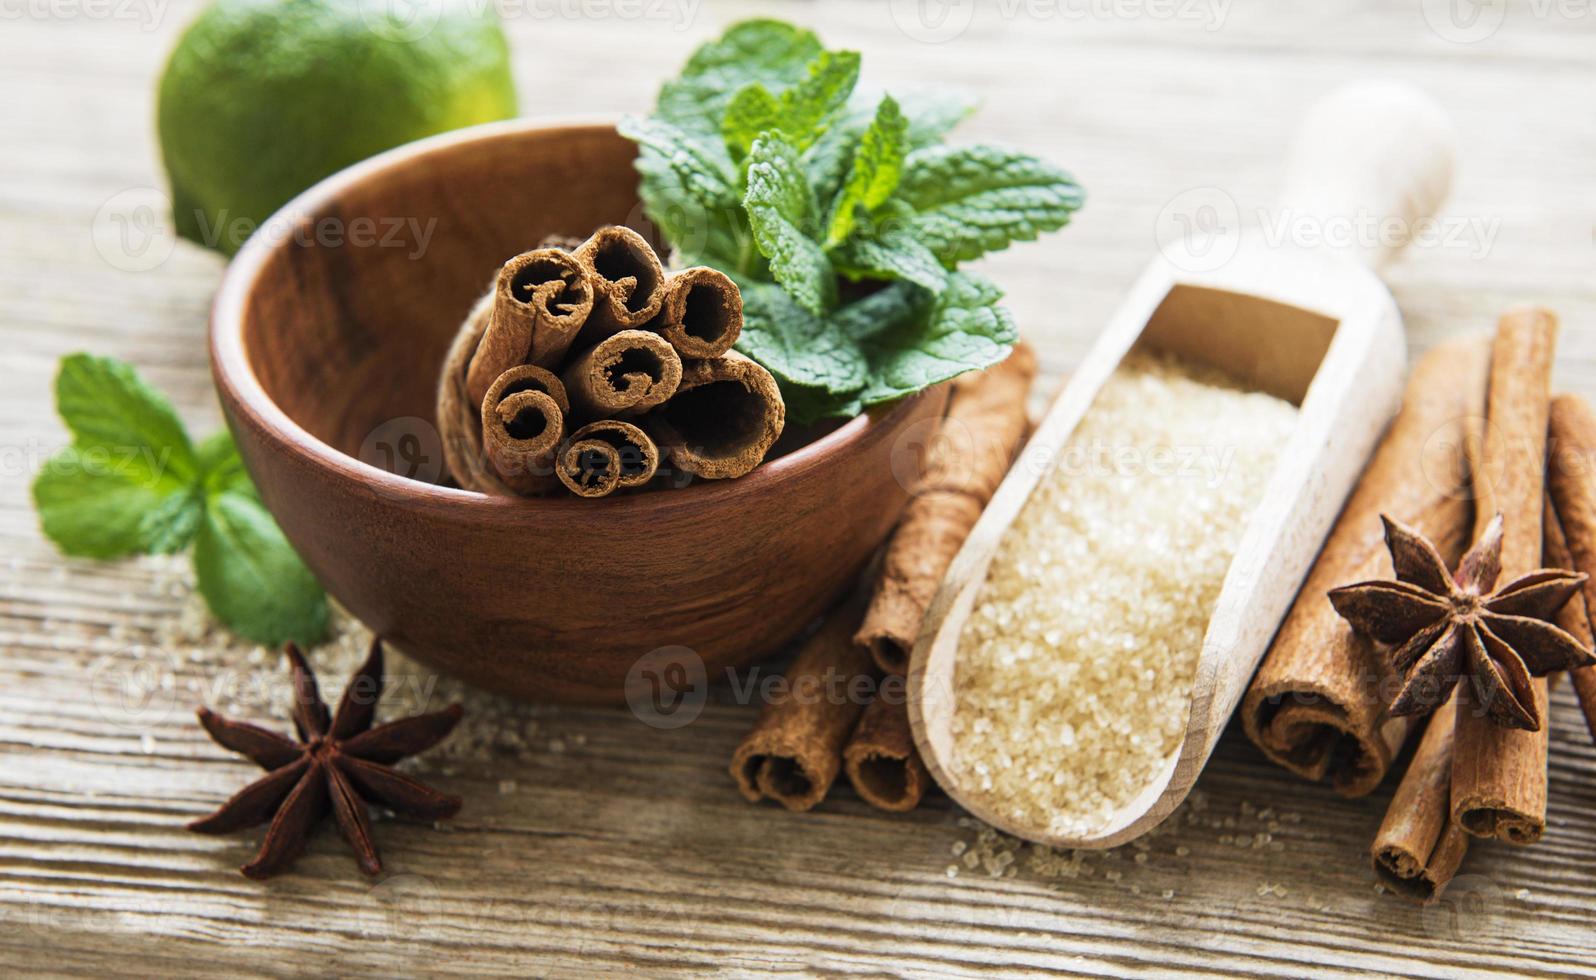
376	283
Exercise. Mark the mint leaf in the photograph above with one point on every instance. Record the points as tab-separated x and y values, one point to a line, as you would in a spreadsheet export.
971	200
689	189
124	486
884	309
931	113
961	330
796	346
168	527
807	106
770	52
874	172
132	482
106	404
784	216
770	160
806	406
752	111
94	504
221	468
701	169
250	576
896	255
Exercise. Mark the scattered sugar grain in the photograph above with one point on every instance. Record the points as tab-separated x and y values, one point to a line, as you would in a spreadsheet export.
1074	677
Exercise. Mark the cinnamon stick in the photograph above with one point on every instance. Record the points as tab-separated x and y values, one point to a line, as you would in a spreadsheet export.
1317	705
1419	848
985	424
702	313
794	751
459	418
605	456
523	422
1569	475
540	301
627	373
723	419
1499	774
628	281
880	757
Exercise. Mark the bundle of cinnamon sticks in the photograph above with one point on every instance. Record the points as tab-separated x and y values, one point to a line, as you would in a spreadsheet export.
1470	443
585	369
844	705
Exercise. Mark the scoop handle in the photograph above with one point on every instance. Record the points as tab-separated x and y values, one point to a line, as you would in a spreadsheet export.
1372	161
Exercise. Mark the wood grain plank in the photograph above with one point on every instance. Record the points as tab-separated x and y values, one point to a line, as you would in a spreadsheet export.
627	849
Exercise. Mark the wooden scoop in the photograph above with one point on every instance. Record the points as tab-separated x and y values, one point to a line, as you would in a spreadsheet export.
1312	325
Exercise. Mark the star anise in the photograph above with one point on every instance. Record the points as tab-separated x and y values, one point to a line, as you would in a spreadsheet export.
340	762
1443	625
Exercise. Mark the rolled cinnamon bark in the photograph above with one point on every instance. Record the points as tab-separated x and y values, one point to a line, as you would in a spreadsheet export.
523	423
540	301
1570	473
794	751
1317	705
1499	774
628	281
605	456
723	419
880	758
625	374
985	424
459	419
702	313
1419	848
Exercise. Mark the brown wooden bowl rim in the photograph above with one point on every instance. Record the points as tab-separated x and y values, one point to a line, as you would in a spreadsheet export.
235	376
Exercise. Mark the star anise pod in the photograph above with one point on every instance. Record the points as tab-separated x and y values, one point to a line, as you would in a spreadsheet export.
1443	625
340	762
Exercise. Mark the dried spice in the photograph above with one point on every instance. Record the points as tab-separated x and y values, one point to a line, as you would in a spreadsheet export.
339	762
1443	625
588	337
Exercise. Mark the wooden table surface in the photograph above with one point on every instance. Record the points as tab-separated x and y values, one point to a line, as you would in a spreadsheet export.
590	842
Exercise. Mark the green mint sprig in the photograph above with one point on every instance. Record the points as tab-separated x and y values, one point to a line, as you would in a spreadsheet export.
132	482
840	214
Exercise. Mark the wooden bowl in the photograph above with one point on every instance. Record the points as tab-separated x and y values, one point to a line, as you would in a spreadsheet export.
326	341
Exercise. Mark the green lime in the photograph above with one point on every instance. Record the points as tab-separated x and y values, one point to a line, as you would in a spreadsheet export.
262	98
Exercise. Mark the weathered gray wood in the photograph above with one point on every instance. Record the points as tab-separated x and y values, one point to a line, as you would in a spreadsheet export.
631	849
